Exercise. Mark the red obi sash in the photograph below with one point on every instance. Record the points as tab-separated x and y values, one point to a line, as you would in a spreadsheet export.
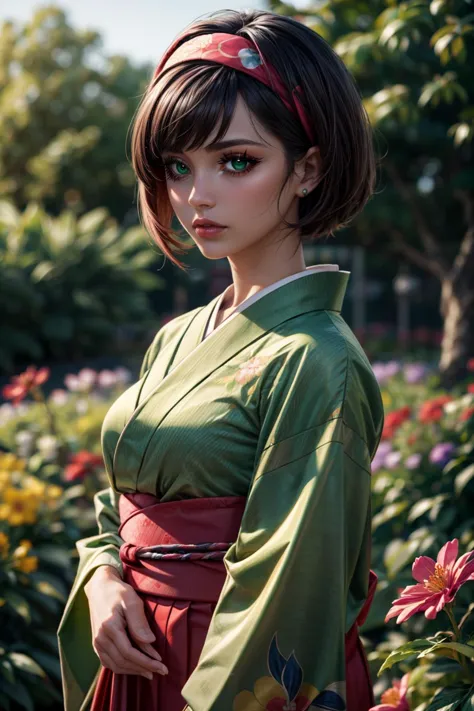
192	587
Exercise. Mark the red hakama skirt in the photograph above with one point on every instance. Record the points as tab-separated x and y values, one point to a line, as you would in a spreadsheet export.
180	597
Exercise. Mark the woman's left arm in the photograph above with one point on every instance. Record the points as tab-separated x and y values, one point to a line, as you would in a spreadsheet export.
297	575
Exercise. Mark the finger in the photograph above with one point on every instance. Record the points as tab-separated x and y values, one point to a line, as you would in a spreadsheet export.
137	623
109	663
124	650
150	650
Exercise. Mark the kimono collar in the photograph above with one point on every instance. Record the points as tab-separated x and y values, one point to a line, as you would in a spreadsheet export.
196	359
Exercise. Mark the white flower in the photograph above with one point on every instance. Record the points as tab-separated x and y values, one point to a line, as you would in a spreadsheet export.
87	378
82	406
467	400
72	382
25	443
47	446
7	411
59	396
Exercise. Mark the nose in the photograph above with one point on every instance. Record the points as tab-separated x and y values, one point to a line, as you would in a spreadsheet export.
201	194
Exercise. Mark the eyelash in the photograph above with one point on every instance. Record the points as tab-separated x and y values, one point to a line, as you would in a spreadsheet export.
168	162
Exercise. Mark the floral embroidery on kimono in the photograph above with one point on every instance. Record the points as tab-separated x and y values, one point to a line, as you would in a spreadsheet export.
284	690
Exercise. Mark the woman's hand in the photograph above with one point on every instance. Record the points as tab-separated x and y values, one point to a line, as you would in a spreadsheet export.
115	609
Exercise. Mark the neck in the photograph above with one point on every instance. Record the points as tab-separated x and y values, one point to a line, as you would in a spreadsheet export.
250	275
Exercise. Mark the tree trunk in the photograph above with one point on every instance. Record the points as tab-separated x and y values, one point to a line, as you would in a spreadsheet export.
457	309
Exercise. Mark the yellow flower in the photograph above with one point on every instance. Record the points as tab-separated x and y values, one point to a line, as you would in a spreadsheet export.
2	602
23	549
386	398
4	545
26	565
34	486
19	507
54	492
5	479
11	462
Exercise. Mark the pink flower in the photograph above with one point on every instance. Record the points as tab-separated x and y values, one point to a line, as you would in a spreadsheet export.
395	697
438	583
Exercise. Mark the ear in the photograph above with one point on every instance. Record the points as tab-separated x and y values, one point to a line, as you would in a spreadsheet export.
309	168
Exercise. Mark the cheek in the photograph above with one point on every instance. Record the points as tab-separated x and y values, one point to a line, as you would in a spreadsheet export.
259	188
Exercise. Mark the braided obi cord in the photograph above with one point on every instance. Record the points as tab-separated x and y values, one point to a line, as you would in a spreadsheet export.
174	551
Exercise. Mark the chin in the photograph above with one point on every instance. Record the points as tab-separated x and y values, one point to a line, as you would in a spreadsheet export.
213	250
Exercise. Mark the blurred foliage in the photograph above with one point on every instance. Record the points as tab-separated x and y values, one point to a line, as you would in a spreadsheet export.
46	505
423	496
67	283
65	109
412	62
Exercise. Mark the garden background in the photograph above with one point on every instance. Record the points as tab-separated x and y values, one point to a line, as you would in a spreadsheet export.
83	290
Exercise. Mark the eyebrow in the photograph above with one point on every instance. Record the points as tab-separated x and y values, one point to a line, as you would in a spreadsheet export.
231	142
227	144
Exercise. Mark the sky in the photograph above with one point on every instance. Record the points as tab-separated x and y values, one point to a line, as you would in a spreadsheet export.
140	29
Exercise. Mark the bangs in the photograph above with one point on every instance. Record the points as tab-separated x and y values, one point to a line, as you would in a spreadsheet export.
184	106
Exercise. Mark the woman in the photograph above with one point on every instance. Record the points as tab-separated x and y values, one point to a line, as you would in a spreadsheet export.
232	566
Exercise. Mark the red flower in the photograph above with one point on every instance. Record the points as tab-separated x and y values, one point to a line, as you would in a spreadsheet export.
438	583
21	385
393	420
395	698
470	388
470	364
82	464
467	414
432	410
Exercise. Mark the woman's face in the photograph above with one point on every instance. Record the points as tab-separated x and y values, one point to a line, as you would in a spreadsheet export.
236	186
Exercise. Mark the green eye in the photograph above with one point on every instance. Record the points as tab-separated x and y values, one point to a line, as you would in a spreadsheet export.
178	164
239	160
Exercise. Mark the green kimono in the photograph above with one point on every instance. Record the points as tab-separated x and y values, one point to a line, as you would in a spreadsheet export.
279	404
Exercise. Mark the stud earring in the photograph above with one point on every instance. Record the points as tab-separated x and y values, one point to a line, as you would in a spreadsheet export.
305	192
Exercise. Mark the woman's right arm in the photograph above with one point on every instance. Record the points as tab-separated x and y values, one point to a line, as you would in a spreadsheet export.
115	609
99	561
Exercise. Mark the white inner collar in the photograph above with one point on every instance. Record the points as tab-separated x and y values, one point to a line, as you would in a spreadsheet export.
258	295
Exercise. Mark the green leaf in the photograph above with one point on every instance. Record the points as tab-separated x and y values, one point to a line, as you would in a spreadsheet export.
18	603
464	649
48	662
410	649
463	479
92	220
6	668
397	554
19	693
424	505
388	512
27	664
448	699
469	703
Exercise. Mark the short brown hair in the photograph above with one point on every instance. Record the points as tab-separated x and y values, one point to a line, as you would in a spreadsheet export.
179	107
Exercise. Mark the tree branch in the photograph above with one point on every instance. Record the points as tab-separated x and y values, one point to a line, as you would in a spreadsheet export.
428	239
399	244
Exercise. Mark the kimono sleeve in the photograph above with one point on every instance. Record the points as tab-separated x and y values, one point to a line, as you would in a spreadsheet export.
79	663
297	575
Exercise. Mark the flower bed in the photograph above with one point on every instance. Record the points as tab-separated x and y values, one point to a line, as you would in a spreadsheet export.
423	528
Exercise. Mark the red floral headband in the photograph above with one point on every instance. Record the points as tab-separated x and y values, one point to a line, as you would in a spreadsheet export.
238	53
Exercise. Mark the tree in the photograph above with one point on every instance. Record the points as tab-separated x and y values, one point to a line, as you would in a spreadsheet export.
65	111
413	64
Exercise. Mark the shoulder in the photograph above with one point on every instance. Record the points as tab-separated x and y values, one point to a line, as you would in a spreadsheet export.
319	362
